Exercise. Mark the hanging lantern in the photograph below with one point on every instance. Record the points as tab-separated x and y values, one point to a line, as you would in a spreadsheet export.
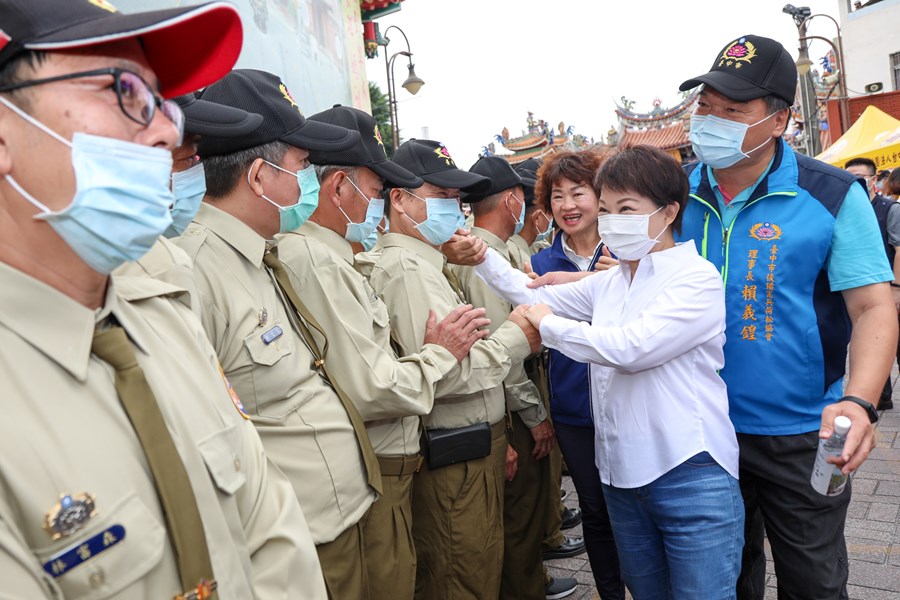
370	37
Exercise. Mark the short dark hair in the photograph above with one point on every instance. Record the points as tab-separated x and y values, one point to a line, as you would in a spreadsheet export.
649	172
579	167
883	174
892	186
862	161
775	104
224	170
11	71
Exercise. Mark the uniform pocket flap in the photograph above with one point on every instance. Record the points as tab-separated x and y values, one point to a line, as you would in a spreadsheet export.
116	549
269	344
222	454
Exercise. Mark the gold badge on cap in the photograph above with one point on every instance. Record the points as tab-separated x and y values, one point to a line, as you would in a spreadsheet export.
289	98
378	137
69	514
105	5
445	154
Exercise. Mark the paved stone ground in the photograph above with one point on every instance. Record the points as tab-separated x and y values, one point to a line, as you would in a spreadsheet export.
872	531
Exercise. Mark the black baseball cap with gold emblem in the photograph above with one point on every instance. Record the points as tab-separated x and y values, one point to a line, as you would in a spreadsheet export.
208	118
368	152
431	161
750	67
501	174
266	94
527	170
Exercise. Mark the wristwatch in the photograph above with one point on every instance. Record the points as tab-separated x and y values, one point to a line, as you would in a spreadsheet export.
873	414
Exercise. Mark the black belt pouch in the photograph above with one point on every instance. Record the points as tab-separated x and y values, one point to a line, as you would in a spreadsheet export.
450	446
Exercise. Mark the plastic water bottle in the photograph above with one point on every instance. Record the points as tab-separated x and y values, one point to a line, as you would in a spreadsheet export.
827	478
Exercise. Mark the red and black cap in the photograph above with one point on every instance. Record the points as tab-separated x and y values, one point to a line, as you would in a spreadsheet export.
187	47
368	152
751	67
498	171
431	161
265	94
207	118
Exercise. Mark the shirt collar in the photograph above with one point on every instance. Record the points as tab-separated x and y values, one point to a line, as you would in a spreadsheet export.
336	243
492	240
236	233
428	253
61	328
742	194
664	260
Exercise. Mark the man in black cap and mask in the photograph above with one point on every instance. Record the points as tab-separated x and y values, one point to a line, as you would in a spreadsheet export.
805	274
500	213
129	470
258	185
390	392
458	535
535	233
165	260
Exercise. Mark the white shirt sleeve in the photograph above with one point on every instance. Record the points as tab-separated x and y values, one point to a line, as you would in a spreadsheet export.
573	300
687	314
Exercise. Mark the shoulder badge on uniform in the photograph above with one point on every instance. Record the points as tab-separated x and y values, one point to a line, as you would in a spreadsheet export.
69	514
234	397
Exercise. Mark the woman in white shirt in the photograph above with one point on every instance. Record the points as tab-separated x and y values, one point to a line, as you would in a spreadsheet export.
652	330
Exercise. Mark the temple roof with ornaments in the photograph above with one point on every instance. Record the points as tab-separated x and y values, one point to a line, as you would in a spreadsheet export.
664	128
538	141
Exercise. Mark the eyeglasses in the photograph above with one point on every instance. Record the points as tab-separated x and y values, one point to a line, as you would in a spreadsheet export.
136	98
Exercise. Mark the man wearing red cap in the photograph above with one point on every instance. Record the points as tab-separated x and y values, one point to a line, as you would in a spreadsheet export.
132	470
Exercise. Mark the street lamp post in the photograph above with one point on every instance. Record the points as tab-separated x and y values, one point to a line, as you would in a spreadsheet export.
412	84
808	100
803	67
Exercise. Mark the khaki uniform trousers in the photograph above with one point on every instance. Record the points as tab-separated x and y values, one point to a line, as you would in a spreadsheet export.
524	519
343	563
458	526
390	551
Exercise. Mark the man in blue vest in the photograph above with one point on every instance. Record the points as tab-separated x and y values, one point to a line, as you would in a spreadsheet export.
887	212
805	275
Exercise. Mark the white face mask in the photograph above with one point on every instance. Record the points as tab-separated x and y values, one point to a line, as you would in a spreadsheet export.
628	235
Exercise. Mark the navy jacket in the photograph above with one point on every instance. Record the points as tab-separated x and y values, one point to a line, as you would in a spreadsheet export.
570	384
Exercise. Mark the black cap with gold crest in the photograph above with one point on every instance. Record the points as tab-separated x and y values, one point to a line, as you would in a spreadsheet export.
431	161
368	152
751	67
265	94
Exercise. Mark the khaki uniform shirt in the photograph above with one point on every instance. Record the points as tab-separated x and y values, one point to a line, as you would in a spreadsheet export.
389	392
167	262
64	431
302	422
522	396
408	276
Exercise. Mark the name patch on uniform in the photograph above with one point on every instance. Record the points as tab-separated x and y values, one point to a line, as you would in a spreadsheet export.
67	560
272	335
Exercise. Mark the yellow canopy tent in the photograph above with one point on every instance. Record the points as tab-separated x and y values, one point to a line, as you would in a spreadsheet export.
875	135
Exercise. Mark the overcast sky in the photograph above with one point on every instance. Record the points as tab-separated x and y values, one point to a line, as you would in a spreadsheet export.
487	62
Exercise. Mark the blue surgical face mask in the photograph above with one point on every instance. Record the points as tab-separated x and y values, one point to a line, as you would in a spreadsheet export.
442	220
520	221
370	241
189	187
358	232
122	197
293	216
546	233
718	142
